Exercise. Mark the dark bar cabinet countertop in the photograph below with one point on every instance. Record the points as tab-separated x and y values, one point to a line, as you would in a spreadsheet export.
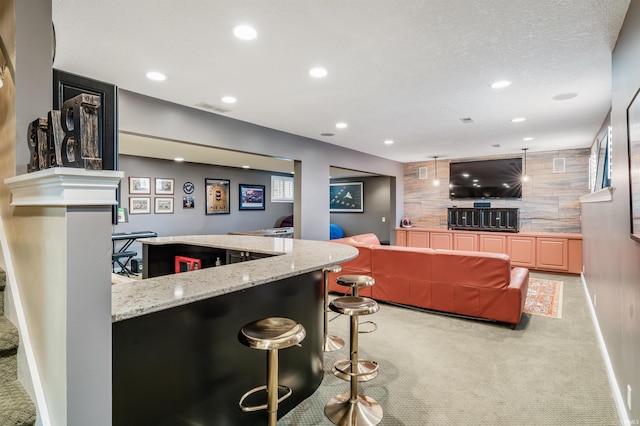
176	355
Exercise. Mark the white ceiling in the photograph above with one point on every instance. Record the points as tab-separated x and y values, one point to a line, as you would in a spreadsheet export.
406	70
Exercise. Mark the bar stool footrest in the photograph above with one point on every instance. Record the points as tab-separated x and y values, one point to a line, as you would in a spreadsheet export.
287	394
365	370
370	323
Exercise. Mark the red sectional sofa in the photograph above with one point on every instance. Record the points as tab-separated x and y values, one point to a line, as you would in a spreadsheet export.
467	283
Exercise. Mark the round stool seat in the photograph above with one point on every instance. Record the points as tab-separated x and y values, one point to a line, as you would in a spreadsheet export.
354	305
332	269
272	333
355	281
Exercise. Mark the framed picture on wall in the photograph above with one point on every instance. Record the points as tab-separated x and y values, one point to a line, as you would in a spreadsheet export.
163	205
251	197
139	185
139	205
216	193
633	145
188	202
164	186
346	197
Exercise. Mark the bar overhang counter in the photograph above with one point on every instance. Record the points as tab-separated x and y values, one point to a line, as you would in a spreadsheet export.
176	355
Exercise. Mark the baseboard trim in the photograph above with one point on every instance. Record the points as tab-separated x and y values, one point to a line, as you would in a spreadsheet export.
617	395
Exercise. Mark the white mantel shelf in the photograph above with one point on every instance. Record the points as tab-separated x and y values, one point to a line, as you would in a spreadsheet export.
65	186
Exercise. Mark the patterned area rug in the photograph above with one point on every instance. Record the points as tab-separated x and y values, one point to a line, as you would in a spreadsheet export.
544	298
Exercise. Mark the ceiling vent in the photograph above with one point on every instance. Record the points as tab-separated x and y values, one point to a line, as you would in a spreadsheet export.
213	108
422	173
558	165
467	120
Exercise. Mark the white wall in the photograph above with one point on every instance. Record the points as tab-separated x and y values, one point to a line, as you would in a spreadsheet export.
611	258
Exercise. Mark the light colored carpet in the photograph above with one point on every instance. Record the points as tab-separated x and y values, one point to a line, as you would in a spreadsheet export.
442	370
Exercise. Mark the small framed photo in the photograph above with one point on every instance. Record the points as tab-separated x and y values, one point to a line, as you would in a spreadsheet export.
139	185
163	205
164	186
188	202
346	197
251	197
216	196
139	205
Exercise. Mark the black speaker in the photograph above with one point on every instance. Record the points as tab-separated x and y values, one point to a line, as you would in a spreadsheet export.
482	205
136	265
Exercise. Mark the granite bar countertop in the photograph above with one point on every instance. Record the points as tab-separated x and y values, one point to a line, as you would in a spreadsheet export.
293	257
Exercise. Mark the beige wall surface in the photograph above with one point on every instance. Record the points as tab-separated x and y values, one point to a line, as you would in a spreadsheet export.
549	200
611	258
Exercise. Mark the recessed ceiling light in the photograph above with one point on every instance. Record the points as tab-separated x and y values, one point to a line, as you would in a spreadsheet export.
246	167
327	134
178	159
528	138
388	142
564	96
341	125
466	120
518	119
245	32
318	72
496	145
156	76
500	84
229	100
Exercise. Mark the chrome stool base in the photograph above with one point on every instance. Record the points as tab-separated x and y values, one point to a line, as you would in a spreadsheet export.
363	411
365	371
333	343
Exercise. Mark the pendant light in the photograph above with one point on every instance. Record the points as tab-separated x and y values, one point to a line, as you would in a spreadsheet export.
525	176
436	181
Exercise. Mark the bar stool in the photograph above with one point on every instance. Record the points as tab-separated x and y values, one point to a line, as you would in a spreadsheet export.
366	370
271	334
355	282
351	408
331	343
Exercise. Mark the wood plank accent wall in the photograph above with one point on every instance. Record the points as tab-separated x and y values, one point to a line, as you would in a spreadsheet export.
549	202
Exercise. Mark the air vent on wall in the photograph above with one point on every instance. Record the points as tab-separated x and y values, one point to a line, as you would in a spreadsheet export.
214	108
558	165
422	173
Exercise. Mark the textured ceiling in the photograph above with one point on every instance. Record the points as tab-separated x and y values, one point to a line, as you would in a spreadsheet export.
403	70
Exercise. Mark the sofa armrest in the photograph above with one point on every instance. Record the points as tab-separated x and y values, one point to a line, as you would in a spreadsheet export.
518	287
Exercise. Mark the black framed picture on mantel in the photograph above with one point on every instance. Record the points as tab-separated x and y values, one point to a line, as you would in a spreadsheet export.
67	86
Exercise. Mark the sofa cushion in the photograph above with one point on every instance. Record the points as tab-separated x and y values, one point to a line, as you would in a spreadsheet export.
404	274
471	268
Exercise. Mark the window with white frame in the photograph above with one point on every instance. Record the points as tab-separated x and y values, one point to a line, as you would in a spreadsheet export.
281	189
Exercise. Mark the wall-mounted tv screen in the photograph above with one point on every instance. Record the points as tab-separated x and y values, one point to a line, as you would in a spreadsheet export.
500	178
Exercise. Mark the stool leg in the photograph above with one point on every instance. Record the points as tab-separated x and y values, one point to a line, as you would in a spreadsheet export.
353	342
331	343
272	386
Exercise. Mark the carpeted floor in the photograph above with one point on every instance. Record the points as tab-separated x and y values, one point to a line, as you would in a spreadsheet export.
442	370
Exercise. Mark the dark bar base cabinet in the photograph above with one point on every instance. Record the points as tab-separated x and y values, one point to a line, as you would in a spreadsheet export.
185	366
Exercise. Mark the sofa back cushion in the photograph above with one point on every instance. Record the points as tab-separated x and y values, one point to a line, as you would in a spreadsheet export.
368	239
402	274
362	263
471	268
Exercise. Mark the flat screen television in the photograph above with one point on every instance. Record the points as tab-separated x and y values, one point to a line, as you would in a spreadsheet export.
500	178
